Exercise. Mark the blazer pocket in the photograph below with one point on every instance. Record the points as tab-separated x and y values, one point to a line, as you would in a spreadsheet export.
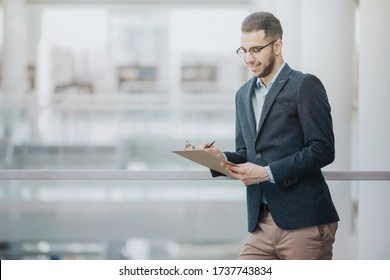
282	106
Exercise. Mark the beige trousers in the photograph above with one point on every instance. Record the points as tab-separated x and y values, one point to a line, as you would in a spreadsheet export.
269	242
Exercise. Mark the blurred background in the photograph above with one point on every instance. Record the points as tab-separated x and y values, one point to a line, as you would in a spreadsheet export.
117	85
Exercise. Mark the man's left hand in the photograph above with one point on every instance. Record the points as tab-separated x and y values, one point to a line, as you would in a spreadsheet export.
249	173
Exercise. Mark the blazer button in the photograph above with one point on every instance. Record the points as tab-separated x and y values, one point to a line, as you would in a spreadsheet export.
258	155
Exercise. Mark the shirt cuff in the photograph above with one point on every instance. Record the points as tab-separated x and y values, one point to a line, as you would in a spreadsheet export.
271	177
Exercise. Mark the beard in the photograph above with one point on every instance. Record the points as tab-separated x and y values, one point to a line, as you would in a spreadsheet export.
269	67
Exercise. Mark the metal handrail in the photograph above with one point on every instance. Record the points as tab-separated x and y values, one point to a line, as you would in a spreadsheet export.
165	175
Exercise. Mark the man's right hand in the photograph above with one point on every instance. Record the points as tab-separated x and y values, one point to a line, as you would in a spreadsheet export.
212	150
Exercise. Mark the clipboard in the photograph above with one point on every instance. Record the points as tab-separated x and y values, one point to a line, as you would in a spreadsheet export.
206	159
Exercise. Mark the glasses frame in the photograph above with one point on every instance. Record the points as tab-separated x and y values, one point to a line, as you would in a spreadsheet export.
241	52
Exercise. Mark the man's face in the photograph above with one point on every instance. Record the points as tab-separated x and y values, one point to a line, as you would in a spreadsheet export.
261	63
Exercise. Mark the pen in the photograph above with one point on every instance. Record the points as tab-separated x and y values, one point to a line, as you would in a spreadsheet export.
209	145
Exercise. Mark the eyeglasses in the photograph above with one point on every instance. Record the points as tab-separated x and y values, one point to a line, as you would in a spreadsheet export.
253	51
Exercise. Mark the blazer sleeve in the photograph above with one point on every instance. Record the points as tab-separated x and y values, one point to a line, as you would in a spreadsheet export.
318	140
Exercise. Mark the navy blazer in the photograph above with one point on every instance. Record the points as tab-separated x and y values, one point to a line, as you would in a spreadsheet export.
295	139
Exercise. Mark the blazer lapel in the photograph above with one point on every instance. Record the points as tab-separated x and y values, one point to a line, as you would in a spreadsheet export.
271	95
249	107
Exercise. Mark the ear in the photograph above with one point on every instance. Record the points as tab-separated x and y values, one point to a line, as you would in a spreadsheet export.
278	46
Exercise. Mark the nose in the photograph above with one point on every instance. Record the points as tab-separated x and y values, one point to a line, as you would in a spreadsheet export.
249	57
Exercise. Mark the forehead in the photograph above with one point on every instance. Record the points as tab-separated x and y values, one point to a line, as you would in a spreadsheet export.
254	38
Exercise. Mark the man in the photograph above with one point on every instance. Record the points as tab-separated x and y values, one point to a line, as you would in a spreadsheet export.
284	136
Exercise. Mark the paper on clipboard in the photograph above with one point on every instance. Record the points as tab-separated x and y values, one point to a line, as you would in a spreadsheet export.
206	159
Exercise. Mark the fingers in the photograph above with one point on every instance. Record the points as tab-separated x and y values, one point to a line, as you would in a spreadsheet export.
203	146
212	149
233	169
206	145
248	173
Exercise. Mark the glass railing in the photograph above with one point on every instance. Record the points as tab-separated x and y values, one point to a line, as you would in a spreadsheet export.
118	214
164	175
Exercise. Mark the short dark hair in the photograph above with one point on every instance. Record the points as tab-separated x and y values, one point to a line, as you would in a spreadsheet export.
263	21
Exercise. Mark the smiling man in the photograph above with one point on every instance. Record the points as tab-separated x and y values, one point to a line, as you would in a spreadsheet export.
284	136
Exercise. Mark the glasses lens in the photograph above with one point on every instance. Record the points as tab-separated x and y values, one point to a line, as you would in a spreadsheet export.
241	53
